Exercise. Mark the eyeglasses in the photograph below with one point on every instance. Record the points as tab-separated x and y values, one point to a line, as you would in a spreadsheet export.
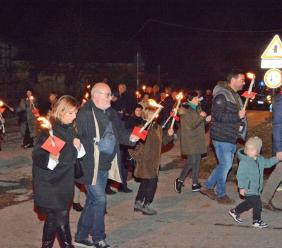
108	95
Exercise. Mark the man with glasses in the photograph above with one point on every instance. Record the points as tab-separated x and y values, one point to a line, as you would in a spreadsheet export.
100	131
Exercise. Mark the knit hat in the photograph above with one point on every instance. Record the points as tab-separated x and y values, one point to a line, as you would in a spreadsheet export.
254	142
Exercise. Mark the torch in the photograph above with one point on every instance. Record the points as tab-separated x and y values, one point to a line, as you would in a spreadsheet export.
144	88
46	124
2	104
141	132
249	94
179	97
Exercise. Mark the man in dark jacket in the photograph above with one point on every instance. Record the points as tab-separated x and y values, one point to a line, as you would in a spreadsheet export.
276	177
228	124
94	120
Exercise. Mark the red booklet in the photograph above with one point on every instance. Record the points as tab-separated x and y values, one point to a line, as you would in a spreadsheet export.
59	144
142	135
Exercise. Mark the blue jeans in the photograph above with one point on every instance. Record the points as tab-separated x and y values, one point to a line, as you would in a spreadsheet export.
225	154
92	220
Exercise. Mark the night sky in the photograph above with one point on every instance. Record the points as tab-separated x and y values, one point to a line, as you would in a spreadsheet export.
194	43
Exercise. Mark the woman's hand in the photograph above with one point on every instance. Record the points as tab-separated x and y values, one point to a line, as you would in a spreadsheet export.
76	143
170	131
55	157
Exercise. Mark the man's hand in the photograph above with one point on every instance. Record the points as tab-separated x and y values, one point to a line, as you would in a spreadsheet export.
279	155
54	157
208	118
133	138
242	113
242	192
170	131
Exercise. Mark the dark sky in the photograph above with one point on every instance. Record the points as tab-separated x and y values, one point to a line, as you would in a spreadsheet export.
193	41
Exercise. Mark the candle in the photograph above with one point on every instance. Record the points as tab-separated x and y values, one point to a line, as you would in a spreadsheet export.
156	113
46	124
179	97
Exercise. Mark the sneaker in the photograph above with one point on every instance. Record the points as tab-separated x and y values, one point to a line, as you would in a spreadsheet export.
259	224
225	200
235	216
109	191
148	210
178	184
138	206
84	243
102	244
208	192
125	190
196	187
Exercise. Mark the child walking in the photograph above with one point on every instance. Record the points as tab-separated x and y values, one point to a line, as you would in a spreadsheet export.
250	180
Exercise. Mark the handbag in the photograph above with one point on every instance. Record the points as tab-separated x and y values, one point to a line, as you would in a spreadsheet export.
78	172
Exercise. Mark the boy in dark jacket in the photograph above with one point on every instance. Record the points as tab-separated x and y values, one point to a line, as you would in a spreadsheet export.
250	180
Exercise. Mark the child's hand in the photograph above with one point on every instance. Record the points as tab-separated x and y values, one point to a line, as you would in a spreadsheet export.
242	192
170	132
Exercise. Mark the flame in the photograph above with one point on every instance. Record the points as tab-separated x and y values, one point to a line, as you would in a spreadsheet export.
86	95
88	86
179	96
1	103
153	103
250	75
45	123
144	87
31	98
166	95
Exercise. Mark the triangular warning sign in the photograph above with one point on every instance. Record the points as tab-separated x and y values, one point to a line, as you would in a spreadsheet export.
274	49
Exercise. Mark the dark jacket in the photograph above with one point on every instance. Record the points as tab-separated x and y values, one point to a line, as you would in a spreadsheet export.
250	172
87	133
53	189
226	122
277	124
192	131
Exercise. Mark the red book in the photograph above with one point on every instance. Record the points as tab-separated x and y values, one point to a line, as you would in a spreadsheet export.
252	95
59	144
35	112
142	135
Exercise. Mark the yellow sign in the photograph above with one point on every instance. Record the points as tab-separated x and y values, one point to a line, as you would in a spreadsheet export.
274	49
273	78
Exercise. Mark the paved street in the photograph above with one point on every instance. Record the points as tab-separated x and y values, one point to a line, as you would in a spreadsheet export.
184	220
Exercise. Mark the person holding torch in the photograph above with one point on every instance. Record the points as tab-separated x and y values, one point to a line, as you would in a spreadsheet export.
53	171
228	124
192	140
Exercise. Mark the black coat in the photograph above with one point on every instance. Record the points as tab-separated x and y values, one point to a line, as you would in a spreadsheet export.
87	133
53	189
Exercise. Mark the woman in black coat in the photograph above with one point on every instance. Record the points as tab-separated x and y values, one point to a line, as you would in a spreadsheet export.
53	175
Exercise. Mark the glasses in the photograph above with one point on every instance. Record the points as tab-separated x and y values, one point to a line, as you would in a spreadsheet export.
108	95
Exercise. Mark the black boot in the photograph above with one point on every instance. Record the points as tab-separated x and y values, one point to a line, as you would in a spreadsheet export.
49	234
64	236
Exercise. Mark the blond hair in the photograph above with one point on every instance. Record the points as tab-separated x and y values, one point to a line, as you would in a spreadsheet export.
63	105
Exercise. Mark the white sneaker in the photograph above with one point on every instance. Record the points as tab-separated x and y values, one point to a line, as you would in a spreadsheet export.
259	224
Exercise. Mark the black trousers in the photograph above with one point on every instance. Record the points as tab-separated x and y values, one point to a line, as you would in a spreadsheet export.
193	162
252	201
147	190
57	223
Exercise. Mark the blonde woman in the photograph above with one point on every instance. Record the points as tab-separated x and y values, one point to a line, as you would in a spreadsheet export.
53	176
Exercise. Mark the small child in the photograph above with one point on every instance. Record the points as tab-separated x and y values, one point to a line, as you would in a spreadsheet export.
250	180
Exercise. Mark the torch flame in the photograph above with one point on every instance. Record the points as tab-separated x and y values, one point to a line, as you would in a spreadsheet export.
153	103
1	103
250	75
31	98
86	95
88	86
45	123
144	87
179	96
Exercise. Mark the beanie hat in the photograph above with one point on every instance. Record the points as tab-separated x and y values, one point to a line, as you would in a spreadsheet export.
254	142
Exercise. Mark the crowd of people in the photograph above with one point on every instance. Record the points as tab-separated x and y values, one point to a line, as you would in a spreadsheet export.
98	134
